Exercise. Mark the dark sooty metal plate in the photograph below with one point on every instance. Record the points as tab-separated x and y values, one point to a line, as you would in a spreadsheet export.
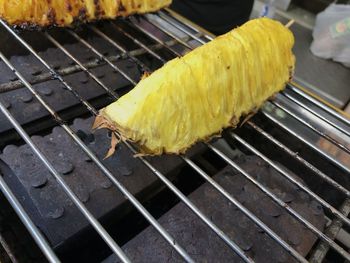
203	244
44	199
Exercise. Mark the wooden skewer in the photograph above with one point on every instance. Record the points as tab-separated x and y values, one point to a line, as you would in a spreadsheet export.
290	23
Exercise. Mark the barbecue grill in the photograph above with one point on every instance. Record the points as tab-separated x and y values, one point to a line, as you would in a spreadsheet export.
273	190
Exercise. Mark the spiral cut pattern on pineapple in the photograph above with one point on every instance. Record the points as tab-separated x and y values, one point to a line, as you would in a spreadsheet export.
195	97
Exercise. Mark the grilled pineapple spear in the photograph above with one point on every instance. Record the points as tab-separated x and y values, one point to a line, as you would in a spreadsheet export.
65	12
194	97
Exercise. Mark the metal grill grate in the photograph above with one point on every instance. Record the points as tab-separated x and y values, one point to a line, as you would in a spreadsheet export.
313	120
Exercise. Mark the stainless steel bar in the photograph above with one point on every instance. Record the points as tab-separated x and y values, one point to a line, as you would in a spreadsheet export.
181	28
244	210
336	162
321	105
316	114
133	200
101	56
322	134
32	229
319	199
93	221
167	32
87	71
119	47
148	34
295	155
137	42
281	203
320	252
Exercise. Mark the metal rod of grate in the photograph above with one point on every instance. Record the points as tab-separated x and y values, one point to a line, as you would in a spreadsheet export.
33	230
87	71
151	36
97	31
181	28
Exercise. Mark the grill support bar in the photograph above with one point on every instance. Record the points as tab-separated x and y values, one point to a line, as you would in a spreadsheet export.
33	230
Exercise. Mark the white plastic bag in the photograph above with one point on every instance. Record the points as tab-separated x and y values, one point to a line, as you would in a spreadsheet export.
332	34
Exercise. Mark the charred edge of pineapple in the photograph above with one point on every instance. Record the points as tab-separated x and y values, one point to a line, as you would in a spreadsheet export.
102	122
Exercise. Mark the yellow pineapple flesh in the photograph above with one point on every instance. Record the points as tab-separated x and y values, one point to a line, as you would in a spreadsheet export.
194	97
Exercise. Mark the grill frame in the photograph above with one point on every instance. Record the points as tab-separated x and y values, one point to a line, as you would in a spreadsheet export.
201	37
